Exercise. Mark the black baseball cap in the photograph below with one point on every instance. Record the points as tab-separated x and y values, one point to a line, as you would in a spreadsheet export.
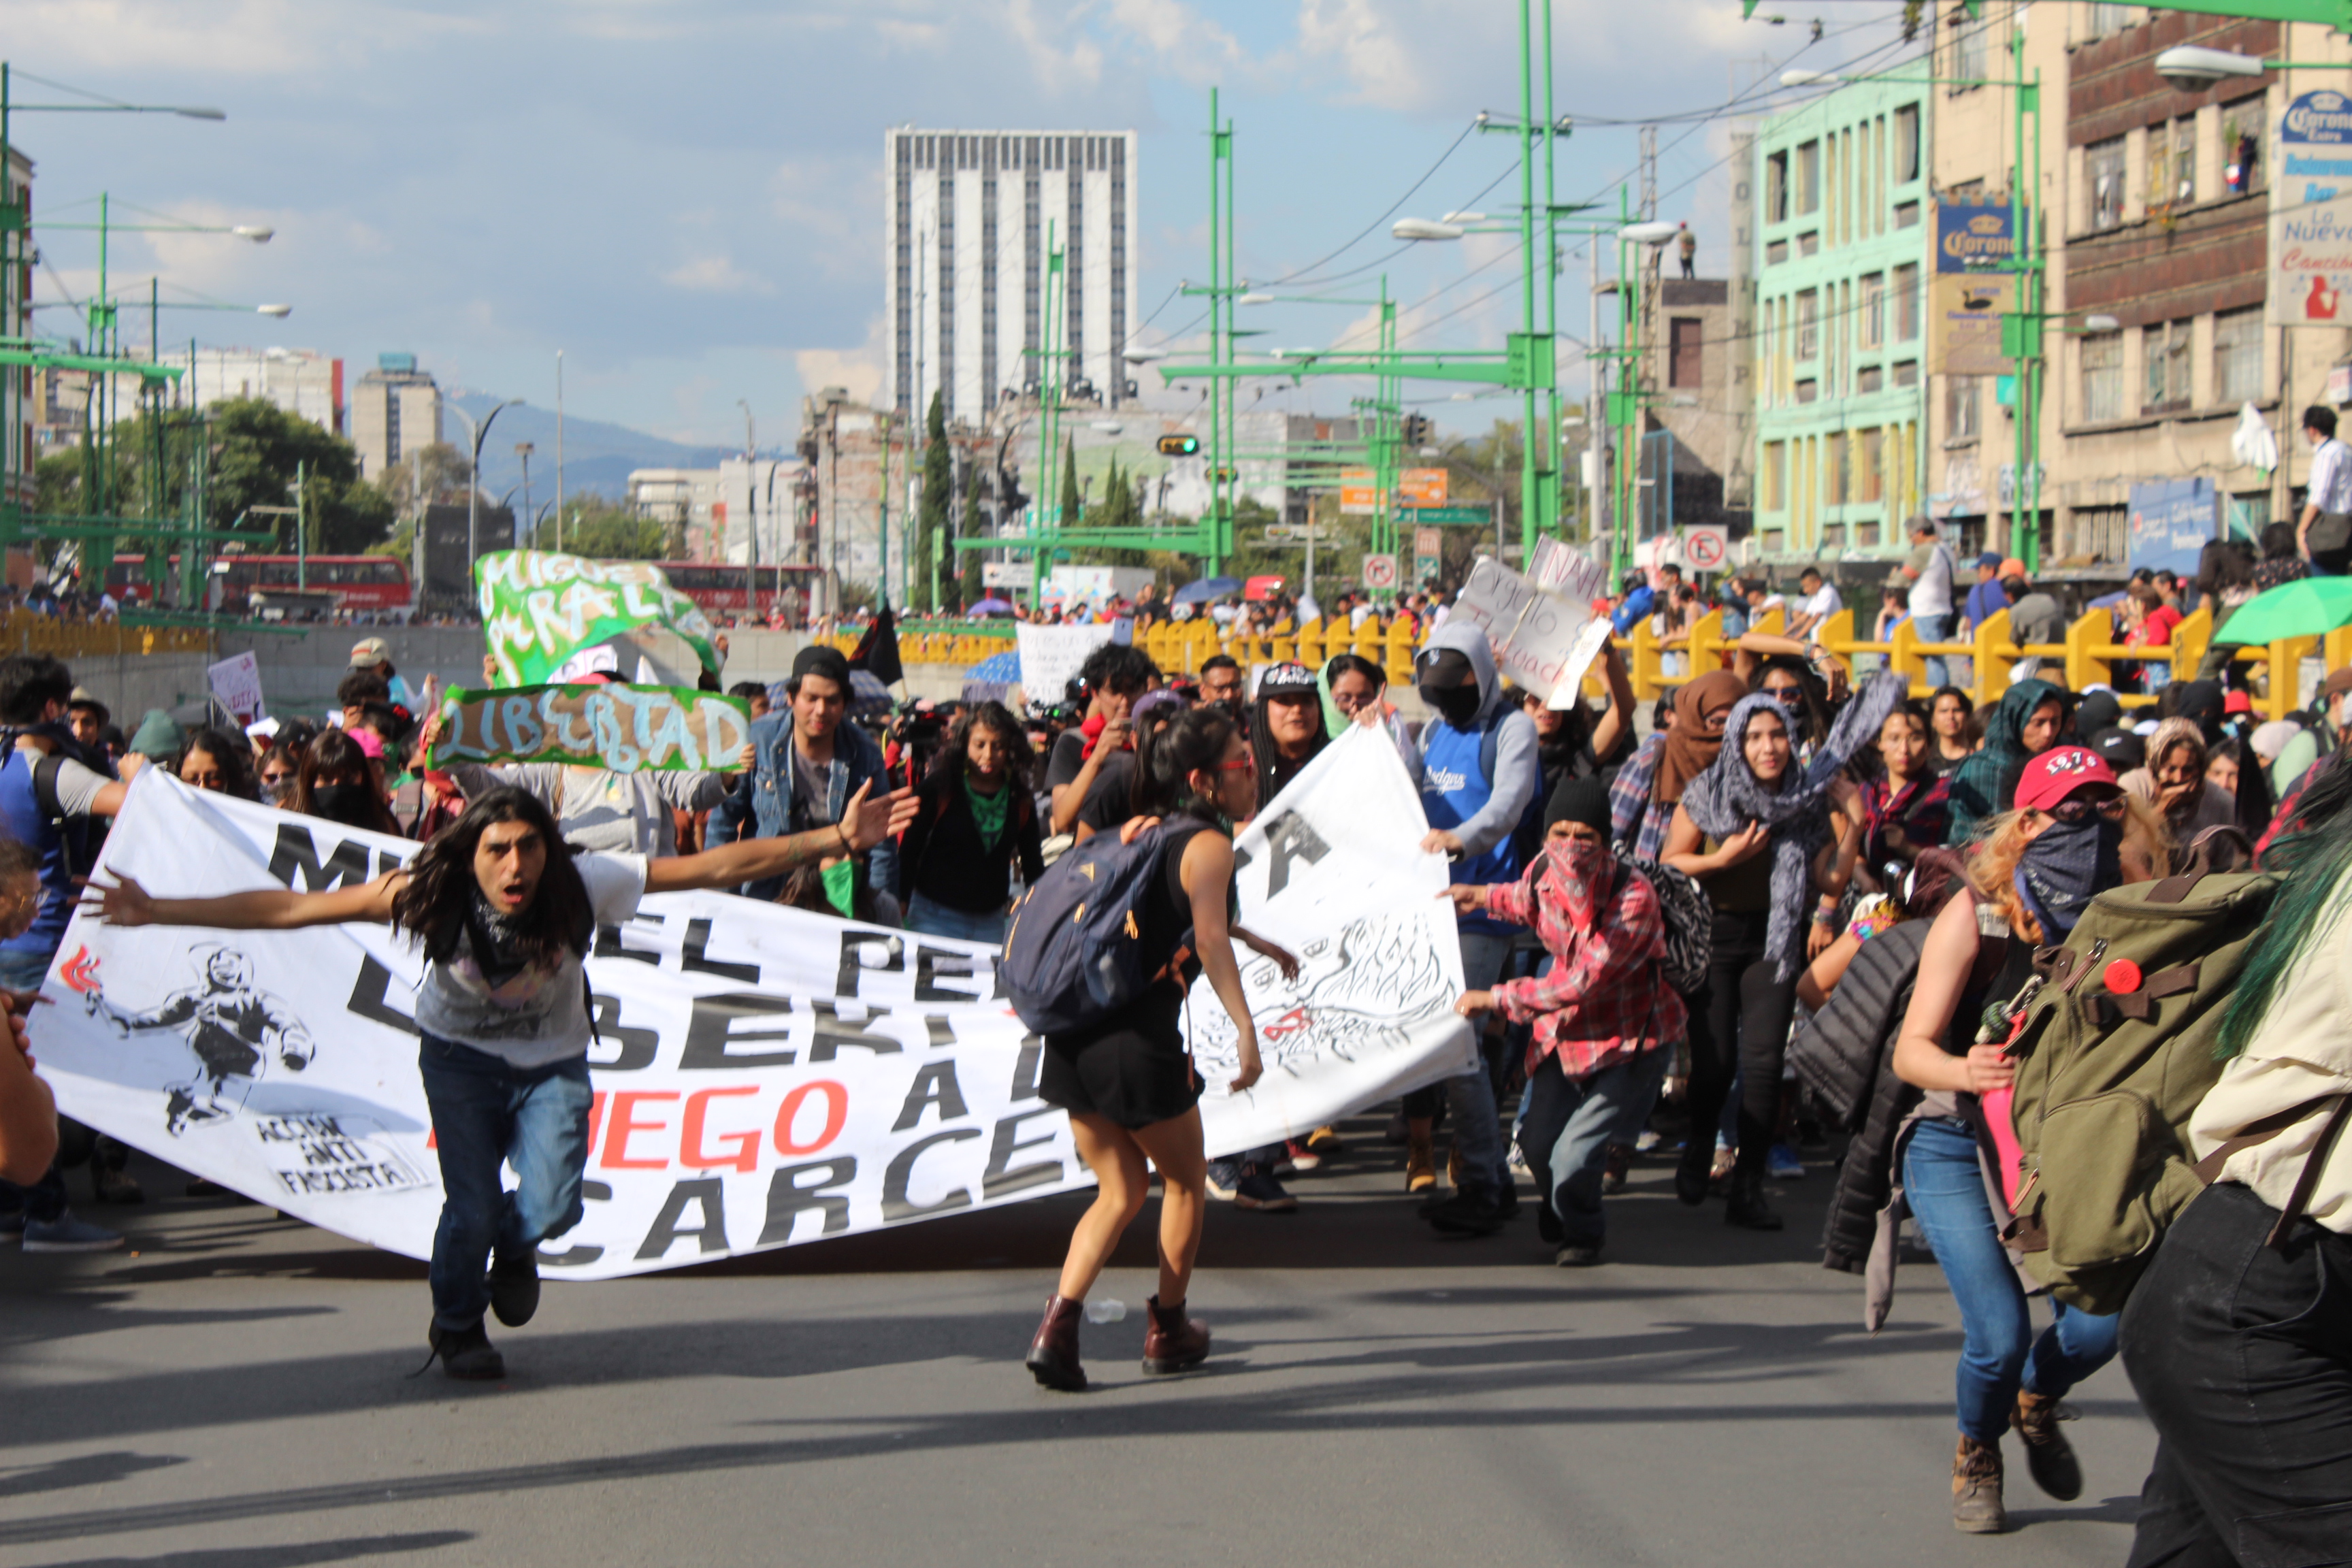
1286	679
818	659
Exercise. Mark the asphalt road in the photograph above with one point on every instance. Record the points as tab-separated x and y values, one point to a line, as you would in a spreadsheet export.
234	1393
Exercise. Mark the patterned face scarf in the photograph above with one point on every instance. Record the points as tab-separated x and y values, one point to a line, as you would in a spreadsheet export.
989	812
499	950
1581	871
2064	869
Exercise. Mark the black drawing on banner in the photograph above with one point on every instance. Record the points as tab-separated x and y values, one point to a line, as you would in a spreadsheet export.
233	1026
1357	992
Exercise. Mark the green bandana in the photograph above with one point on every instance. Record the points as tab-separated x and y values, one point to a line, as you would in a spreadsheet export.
841	888
989	812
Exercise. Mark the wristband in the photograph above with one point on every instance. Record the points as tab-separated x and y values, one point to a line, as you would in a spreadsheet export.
843	834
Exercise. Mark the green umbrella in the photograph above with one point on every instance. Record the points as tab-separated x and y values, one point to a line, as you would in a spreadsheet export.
2308	608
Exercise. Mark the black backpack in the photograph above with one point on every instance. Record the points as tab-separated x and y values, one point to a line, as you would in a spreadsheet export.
1080	948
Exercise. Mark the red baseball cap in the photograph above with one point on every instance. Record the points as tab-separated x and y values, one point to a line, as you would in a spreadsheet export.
2237	702
2059	773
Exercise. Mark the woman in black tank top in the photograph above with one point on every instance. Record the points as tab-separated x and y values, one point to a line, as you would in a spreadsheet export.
1128	1084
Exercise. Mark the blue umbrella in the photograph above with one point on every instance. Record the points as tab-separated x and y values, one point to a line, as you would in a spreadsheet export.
1200	590
992	606
1006	666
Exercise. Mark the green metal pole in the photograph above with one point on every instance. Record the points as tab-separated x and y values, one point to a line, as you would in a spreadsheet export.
1529	505
1548	468
882	522
301	525
2025	231
12	461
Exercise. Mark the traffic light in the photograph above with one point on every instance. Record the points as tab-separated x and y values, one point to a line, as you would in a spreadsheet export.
1417	429
1180	445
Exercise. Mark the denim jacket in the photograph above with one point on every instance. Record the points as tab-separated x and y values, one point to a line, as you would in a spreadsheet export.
760	804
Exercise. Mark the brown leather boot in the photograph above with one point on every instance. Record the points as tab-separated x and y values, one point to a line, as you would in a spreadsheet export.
1976	1489
1420	1158
2049	1457
1053	1353
1173	1342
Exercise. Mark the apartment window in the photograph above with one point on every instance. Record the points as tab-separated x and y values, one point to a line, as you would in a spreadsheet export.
1686	352
1961	395
1968	44
1906	373
1907	144
2102	378
2103	170
1775	475
1809	325
1808	178
1907	304
2238	355
1776	187
2172	164
1874	310
1870	465
1837	477
2164	355
2241	146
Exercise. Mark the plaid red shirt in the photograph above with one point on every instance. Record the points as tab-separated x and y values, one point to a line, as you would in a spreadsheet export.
1605	999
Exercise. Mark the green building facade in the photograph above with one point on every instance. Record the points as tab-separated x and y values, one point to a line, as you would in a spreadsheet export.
1840	344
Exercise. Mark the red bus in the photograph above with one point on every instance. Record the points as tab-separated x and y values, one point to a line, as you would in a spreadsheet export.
718	589
357	581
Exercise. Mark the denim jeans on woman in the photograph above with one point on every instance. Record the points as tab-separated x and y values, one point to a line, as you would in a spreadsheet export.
1999	1351
932	917
487	1113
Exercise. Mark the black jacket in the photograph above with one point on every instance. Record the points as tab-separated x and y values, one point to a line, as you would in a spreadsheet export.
1846	1056
942	857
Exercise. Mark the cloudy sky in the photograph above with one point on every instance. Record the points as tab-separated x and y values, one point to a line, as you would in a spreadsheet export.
686	195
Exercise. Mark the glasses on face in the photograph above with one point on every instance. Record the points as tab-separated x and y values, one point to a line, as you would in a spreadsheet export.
1784	693
2077	809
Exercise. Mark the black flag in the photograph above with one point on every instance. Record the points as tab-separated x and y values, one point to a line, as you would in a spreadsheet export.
878	650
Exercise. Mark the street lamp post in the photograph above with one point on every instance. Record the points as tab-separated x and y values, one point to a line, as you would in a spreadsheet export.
524	449
750	512
476	434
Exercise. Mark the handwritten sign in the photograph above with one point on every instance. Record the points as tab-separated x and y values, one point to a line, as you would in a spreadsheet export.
540	607
1570	574
622	728
1052	655
235	685
1541	640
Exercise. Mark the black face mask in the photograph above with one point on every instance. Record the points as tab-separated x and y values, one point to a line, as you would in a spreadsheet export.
353	805
1457	705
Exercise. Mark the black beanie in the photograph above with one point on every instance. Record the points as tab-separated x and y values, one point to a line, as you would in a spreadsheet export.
1584	800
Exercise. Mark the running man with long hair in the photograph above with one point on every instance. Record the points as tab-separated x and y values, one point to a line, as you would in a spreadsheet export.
506	913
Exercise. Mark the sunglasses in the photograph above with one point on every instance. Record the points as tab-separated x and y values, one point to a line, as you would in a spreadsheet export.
2076	810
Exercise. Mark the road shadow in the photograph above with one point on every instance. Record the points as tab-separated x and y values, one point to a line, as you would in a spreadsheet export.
82	1471
346	1550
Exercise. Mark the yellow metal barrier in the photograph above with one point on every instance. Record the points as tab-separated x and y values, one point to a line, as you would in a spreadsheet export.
25	632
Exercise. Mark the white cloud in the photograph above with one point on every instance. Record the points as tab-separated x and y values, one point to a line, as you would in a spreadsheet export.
859	370
716	274
194	38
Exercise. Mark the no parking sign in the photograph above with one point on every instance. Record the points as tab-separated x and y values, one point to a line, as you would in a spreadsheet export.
1706	549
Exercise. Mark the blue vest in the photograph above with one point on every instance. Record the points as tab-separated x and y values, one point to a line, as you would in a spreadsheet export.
28	824
1455	786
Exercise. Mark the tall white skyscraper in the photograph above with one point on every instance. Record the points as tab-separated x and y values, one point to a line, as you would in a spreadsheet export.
965	243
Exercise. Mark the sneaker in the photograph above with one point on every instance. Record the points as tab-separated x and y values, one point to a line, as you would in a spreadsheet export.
118	1187
1223	1182
466	1355
1466	1213
67	1234
514	1290
1258	1189
1781	1163
1574	1256
1324	1140
1646	1142
1302	1157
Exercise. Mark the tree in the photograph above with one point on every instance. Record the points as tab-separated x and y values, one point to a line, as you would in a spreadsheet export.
444	468
605	529
968	565
1073	502
931	513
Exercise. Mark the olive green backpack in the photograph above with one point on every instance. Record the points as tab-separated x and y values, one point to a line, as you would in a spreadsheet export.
2116	1050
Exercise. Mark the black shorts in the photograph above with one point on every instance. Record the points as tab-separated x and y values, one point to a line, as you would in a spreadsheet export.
1131	1070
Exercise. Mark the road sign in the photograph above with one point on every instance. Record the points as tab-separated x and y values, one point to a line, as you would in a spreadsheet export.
1454	516
1003	574
1706	549
1421	487
1358	494
1426	568
1428	541
1299	534
1379	573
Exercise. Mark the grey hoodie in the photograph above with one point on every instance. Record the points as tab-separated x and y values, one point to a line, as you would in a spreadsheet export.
1518	772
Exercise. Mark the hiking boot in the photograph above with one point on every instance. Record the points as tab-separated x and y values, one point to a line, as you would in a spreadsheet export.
1259	1190
1745	1206
1691	1175
1575	1256
1976	1489
1420	1163
1053	1353
2049	1457
1616	1166
117	1187
67	1234
1469	1212
466	1355
514	1290
1173	1342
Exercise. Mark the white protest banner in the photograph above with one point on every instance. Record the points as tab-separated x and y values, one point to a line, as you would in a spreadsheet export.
1572	574
762	1075
1541	640
1052	655
235	685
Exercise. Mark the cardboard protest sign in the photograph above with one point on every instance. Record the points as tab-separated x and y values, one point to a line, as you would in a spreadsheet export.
622	728
1541	640
1051	657
540	607
235	685
1572	574
761	1075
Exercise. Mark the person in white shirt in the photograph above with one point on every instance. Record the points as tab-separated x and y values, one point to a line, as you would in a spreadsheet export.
1820	602
2325	535
1930	570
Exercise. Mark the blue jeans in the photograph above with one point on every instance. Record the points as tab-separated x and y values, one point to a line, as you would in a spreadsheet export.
1565	1134
1477	1125
1935	628
932	918
1999	1351
485	1113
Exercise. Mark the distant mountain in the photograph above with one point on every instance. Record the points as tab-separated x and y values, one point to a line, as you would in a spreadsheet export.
597	456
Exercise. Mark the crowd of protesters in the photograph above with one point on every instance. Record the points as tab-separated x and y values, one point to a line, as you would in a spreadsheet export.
1649	925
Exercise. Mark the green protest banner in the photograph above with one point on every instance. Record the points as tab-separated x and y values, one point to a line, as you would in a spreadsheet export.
623	729
542	607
